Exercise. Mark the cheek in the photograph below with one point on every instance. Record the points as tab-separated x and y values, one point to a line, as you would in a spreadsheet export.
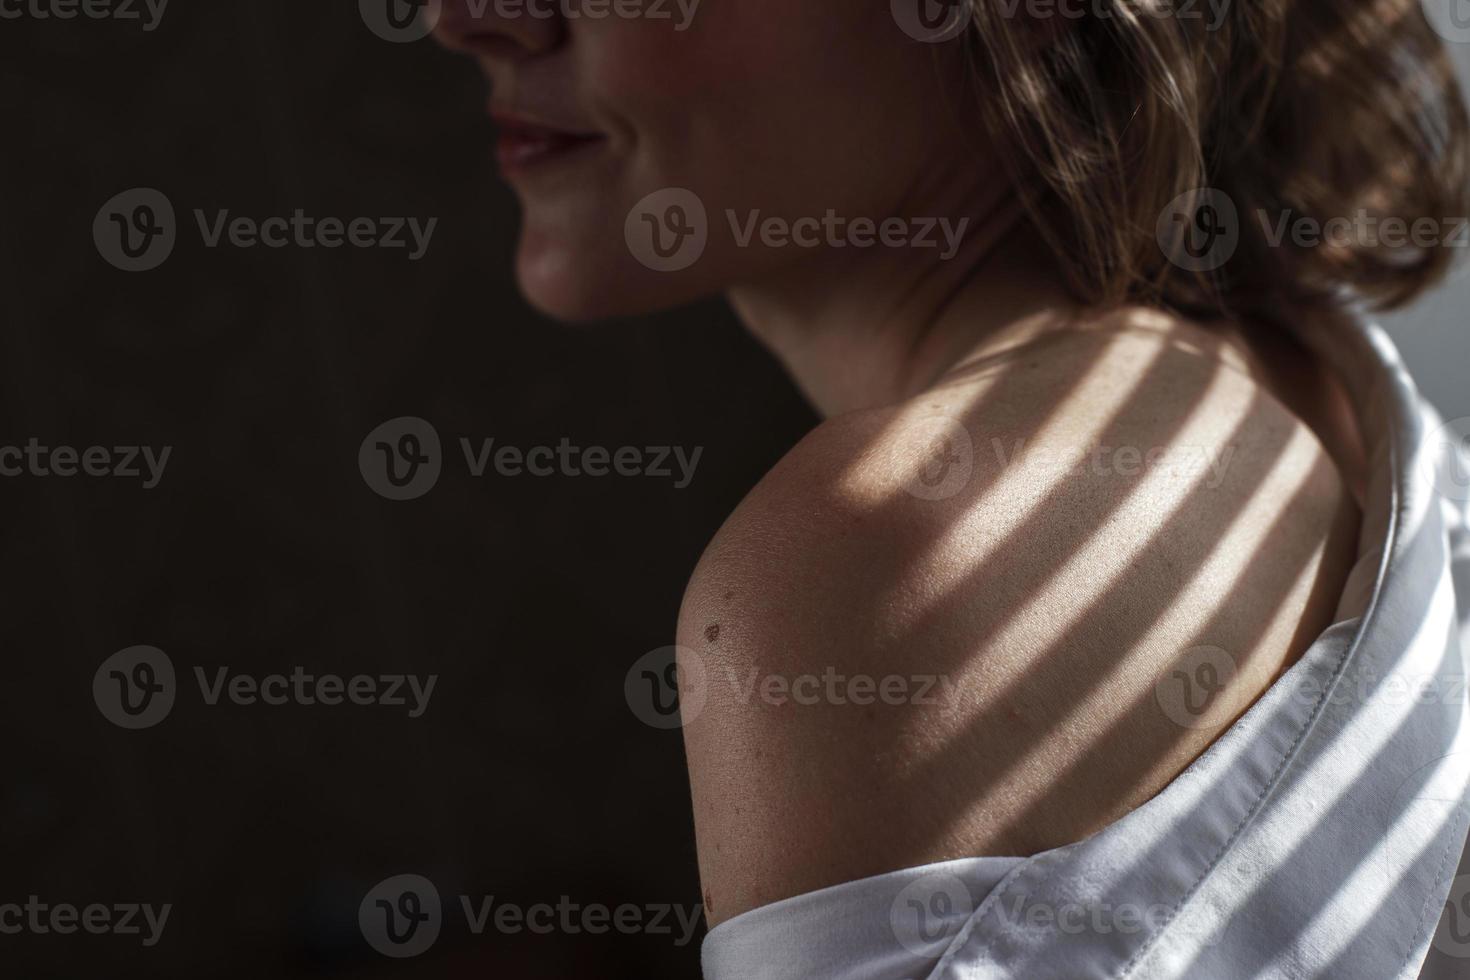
787	109
758	98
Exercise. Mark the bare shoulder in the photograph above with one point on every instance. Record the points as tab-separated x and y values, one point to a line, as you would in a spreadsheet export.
949	627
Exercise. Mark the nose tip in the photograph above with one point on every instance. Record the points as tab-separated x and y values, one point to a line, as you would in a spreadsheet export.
507	29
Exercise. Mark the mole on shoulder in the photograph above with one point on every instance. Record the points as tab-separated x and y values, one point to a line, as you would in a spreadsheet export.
712	632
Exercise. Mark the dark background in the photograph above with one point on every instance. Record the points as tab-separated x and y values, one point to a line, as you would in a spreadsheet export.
263	549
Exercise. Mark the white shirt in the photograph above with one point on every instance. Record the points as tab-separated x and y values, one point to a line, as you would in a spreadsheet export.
1320	836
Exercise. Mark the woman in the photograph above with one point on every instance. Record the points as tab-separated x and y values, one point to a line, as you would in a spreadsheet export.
1063	646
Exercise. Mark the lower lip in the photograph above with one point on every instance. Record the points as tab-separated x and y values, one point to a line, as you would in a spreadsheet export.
522	151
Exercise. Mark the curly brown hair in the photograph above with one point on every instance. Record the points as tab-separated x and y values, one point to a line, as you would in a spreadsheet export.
1316	108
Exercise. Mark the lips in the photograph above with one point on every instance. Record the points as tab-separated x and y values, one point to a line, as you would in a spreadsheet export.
525	144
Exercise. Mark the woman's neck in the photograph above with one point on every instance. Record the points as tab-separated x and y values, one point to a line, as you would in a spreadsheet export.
877	326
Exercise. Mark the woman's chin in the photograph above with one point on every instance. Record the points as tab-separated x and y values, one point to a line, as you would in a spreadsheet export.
577	286
556	283
561	299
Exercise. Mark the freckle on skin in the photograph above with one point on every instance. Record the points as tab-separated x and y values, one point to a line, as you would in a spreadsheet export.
729	596
712	632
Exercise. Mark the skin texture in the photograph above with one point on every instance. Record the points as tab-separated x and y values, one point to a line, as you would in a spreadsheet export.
1049	600
1050	589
